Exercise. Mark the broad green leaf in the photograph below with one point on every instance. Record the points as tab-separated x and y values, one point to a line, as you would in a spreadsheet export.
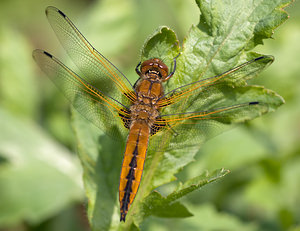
163	43
197	182
157	205
206	53
221	41
38	177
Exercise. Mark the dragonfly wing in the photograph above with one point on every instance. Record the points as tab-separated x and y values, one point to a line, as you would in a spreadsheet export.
95	68
98	108
197	95
192	129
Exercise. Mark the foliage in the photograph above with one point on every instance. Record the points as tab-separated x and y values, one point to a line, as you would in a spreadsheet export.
198	59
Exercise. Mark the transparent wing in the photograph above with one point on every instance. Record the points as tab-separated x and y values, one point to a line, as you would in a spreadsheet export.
185	130
102	110
95	68
197	96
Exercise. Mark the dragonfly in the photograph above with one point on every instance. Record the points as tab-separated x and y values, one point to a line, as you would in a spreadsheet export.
142	111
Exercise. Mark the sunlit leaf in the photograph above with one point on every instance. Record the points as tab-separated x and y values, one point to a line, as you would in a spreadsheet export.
157	205
222	40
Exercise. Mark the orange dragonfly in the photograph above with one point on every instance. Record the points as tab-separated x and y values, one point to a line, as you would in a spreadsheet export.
107	98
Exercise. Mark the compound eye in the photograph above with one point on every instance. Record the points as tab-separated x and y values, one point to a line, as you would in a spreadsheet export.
146	65
155	64
163	71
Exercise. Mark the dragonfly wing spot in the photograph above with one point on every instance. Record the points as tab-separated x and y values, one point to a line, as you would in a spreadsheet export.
125	117
156	127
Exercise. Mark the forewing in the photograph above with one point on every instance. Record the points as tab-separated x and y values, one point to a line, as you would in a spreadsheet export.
95	68
201	95
98	108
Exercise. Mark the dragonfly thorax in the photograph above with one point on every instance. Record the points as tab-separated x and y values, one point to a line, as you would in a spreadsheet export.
145	113
148	91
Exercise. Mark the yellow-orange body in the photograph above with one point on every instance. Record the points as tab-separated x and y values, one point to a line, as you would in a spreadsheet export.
143	114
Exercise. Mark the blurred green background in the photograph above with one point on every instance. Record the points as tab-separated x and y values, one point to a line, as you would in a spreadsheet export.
40	175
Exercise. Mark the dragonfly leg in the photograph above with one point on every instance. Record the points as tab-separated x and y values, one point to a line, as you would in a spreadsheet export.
137	69
174	69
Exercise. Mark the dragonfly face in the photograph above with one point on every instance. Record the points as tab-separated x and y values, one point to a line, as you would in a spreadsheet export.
154	69
143	110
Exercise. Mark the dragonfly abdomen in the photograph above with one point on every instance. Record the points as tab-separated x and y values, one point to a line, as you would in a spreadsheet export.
133	165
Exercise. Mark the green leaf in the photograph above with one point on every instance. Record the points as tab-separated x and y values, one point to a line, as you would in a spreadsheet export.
35	171
157	205
240	22
227	31
163	43
207	52
226	28
197	182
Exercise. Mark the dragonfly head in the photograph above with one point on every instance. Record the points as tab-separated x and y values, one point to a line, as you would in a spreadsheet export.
154	67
